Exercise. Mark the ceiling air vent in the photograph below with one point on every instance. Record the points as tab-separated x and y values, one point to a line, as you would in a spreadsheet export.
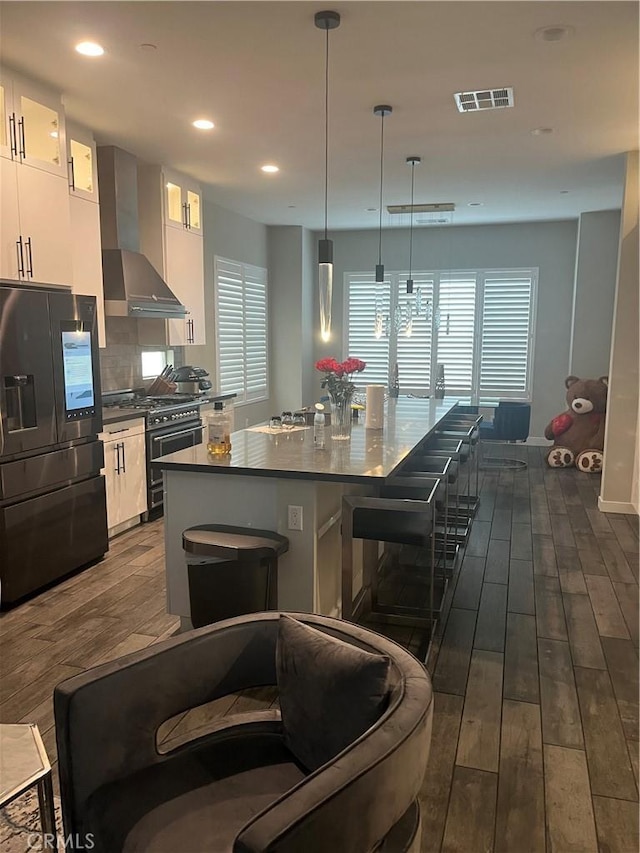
484	99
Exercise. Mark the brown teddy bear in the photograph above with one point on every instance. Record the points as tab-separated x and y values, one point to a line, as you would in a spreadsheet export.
578	433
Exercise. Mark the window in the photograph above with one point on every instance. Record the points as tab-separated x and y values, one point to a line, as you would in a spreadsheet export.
154	362
241	330
479	324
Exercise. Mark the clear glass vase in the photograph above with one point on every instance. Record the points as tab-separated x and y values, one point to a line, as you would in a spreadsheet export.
341	416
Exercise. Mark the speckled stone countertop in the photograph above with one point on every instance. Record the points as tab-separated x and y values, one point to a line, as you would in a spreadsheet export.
113	415
368	454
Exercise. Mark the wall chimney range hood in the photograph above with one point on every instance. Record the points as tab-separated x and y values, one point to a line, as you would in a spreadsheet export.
132	285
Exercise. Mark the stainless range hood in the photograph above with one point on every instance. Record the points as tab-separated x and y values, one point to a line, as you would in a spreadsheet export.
132	285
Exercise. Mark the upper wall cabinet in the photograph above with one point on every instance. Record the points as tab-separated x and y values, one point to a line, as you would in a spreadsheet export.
33	128
182	202
82	167
175	250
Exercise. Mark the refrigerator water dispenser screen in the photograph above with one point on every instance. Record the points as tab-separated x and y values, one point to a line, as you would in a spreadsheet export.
78	371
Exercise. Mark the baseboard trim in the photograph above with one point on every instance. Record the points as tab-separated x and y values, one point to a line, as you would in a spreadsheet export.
625	507
538	441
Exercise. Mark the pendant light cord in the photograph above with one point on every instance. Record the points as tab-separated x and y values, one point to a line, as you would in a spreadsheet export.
326	135
413	169
381	177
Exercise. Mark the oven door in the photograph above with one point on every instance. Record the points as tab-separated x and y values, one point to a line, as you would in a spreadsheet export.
164	440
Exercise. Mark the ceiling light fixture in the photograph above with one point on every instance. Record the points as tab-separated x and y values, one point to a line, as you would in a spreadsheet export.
89	48
270	168
203	124
326	21
413	162
558	32
542	131
381	110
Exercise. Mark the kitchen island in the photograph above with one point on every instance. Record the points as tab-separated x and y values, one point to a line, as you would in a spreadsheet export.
268	472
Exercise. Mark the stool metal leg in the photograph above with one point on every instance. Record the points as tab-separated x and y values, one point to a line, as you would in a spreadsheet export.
47	810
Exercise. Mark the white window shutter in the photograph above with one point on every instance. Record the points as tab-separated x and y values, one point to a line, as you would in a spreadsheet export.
241	329
456	335
363	294
506	333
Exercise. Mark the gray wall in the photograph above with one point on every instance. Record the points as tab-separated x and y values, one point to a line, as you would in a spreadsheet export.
550	246
232	236
594	293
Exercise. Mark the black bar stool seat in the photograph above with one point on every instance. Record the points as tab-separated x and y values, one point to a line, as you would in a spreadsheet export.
233	570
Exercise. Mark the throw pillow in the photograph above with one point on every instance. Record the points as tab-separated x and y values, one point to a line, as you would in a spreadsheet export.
330	691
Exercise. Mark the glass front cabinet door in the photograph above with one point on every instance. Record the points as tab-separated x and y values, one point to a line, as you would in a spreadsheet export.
81	162
33	131
182	202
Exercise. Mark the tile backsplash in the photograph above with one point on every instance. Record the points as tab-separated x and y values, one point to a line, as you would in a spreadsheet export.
120	360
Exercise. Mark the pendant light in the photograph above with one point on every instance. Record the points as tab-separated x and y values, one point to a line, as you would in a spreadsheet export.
381	110
413	162
326	21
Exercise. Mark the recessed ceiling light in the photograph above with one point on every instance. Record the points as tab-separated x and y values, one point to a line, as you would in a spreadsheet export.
475	204
370	209
148	46
90	48
53	134
203	124
270	168
564	192
557	32
542	131
291	206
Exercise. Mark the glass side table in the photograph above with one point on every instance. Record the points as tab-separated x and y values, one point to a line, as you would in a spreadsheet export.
23	764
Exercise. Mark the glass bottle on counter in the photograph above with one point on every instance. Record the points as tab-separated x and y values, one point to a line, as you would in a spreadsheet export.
219	427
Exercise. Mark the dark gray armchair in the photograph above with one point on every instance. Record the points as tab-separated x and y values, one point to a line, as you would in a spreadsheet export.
236	788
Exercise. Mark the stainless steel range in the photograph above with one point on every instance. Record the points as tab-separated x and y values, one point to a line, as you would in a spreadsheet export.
173	422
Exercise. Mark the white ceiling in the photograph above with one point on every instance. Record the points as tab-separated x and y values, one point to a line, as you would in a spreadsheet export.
257	70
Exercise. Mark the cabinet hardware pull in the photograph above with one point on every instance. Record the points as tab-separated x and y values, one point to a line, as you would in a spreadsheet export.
13	137
124	467
73	174
20	256
184	216
117	469
23	147
188	216
29	257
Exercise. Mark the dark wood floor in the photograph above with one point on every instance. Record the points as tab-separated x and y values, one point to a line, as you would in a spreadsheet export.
535	671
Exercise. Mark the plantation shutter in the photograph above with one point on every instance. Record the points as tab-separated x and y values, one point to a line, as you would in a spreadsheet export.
506	333
255	332
414	342
456	334
241	329
365	300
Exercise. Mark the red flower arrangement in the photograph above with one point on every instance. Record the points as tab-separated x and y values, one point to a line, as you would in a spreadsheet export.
337	375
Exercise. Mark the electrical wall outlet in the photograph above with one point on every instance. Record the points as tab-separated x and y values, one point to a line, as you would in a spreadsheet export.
294	518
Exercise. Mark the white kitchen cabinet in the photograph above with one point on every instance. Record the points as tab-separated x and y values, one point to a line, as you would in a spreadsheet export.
182	202
184	273
33	126
35	225
86	255
125	473
82	164
176	252
9	221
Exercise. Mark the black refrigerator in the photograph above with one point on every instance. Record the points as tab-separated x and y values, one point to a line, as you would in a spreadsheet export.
53	516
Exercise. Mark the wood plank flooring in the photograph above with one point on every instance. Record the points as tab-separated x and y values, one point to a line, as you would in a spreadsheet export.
535	668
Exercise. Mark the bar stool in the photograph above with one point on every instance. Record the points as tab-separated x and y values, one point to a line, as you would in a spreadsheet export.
459	523
461	421
238	573
419	465
397	521
469	433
